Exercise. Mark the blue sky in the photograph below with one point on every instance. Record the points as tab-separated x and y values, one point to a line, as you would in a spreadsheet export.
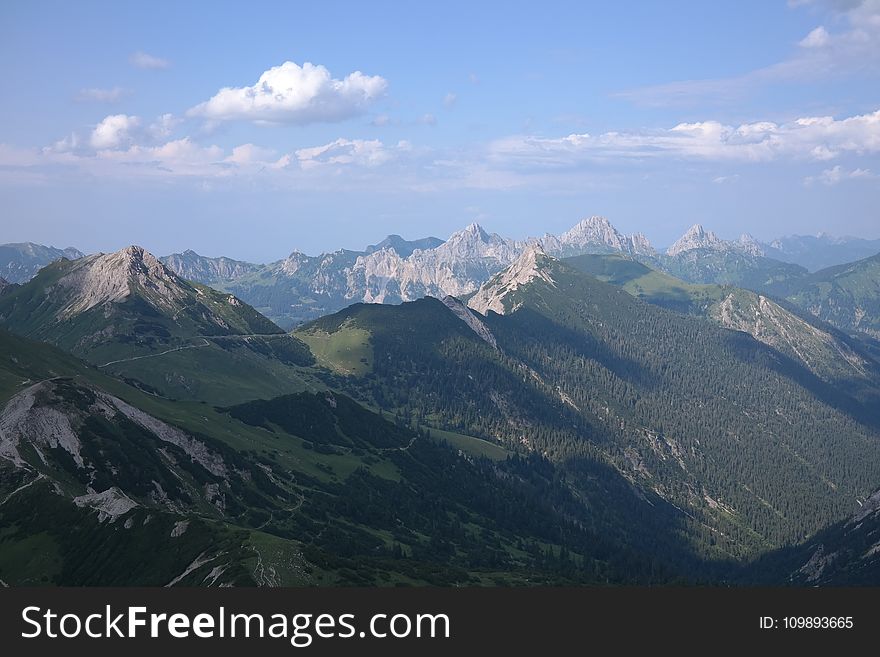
252	129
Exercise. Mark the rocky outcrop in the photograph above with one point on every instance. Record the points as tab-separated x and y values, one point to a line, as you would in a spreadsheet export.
110	278
699	238
32	417
466	315
492	295
110	504
826	355
457	267
595	235
696	238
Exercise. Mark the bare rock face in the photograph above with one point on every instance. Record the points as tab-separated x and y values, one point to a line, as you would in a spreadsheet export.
110	278
110	504
30	416
595	235
466	315
819	350
456	267
529	266
696	238
594	231
57	415
749	245
640	245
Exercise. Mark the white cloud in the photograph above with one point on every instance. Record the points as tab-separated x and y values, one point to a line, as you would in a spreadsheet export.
95	95
249	153
143	60
177	154
369	153
818	38
292	94
810	138
837	174
66	144
720	180
428	119
163	126
114	131
449	100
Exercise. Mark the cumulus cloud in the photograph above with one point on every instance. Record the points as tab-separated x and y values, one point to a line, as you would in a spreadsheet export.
290	93
838	174
163	126
96	95
810	138
114	131
143	60
449	100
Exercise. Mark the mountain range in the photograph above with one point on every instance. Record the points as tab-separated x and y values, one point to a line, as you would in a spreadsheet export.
301	287
127	313
481	411
21	262
553	361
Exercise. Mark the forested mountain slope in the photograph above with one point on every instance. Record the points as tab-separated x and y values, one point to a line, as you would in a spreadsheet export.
752	447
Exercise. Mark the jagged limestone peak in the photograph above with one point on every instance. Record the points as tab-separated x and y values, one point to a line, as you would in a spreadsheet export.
531	265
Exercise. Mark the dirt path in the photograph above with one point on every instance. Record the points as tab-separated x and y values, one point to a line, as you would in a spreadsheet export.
169	351
23	486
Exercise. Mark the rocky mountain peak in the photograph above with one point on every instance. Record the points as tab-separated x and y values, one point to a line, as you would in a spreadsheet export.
594	230
293	262
471	233
695	238
138	261
530	265
110	278
641	245
748	244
